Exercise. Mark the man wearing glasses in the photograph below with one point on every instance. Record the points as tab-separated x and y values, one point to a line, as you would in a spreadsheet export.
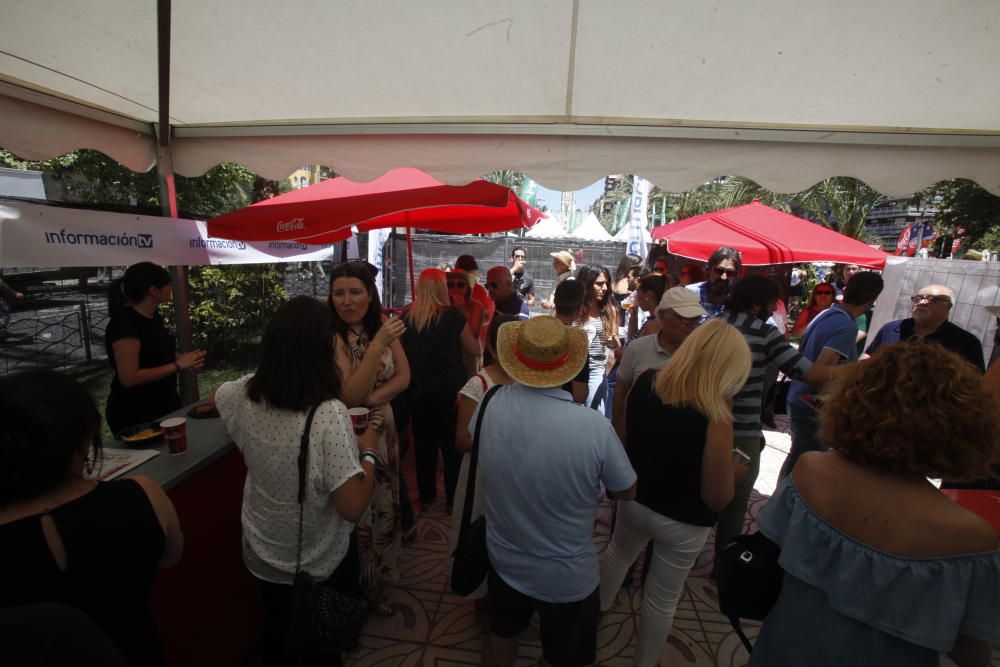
723	271
929	323
524	285
500	284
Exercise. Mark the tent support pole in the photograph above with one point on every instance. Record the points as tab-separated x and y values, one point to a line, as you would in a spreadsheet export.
168	195
178	275
409	258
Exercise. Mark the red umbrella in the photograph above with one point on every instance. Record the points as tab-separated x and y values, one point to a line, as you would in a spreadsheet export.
764	235
325	212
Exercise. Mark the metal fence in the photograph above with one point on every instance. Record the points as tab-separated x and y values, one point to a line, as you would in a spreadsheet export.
64	325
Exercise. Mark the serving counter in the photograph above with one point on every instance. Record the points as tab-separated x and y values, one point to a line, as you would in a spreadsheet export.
207	606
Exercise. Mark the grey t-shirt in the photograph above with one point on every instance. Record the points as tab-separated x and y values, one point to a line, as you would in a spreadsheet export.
640	354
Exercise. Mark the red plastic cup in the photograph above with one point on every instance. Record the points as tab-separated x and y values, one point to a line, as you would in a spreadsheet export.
359	419
175	433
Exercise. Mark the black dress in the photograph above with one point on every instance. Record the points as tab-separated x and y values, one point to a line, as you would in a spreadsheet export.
146	402
113	542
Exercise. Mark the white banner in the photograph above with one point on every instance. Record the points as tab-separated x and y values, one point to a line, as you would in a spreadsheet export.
38	235
637	217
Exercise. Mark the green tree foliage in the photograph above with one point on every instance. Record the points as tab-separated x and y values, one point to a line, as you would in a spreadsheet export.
964	205
842	203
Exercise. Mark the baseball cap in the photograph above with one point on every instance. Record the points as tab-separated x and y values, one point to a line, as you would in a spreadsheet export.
682	301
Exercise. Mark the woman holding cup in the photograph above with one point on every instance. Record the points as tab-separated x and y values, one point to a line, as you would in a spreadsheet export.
266	414
374	371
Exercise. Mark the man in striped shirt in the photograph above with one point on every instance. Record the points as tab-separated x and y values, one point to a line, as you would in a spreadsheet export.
752	302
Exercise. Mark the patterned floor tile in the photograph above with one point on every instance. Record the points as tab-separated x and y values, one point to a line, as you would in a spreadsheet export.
433	627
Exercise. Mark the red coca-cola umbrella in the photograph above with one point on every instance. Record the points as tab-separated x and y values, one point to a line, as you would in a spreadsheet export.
324	212
764	235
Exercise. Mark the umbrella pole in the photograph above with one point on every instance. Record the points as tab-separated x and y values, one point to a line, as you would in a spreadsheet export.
409	258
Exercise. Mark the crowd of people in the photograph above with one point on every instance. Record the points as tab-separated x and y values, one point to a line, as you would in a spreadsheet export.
644	387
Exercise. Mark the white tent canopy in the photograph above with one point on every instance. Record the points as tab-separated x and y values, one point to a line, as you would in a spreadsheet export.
897	93
548	227
591	229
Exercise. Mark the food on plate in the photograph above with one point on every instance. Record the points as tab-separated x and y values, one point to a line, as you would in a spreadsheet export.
141	435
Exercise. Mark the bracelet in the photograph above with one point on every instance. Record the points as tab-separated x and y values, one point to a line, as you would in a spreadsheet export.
370	457
177	366
372	453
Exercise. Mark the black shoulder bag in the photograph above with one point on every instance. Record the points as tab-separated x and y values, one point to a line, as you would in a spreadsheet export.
749	581
321	620
471	562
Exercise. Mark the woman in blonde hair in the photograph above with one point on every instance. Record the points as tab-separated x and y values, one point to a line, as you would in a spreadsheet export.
679	438
436	336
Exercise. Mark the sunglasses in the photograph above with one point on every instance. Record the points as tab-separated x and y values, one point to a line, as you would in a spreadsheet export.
724	272
929	298
823	293
457	284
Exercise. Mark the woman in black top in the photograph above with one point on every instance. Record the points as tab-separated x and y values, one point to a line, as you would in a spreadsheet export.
70	540
679	438
435	338
142	352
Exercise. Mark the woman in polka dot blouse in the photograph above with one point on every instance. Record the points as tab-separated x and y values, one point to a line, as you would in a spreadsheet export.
265	414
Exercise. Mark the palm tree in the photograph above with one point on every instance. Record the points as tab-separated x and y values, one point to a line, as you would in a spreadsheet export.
842	203
505	177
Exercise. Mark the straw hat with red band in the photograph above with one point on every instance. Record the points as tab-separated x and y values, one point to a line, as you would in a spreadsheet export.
541	352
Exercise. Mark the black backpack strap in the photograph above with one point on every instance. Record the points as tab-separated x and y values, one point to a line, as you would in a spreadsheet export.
470	486
302	463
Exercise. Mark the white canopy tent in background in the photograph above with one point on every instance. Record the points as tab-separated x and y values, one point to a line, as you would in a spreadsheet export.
547	228
591	229
897	93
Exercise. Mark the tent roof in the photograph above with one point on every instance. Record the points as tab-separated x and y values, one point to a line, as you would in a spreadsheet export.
591	229
547	228
899	94
764	235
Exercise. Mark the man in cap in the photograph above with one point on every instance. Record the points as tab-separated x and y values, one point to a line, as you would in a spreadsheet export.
563	265
928	323
679	313
500	284
468	264
542	459
724	266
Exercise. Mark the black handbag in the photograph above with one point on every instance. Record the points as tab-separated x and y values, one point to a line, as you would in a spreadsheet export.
470	560
321	620
749	580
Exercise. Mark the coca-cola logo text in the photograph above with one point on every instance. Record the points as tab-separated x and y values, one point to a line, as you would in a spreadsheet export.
293	225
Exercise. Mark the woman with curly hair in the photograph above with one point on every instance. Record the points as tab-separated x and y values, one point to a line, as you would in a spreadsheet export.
880	567
374	370
601	326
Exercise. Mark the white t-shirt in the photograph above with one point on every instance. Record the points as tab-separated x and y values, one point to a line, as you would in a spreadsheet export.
269	440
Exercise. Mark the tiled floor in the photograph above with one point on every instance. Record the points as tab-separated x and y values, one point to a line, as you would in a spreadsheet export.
434	627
